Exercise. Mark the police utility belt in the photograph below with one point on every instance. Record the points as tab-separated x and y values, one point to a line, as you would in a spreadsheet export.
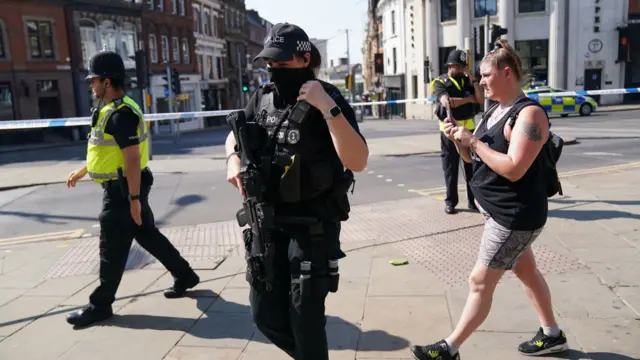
120	181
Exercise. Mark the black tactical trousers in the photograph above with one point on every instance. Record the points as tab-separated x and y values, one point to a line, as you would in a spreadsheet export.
117	231
293	322
450	164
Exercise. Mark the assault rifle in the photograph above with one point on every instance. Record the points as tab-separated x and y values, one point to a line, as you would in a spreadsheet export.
257	212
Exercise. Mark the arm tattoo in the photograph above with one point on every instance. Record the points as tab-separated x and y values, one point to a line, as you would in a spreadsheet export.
533	132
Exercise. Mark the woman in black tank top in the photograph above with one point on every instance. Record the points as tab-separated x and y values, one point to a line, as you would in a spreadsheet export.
507	184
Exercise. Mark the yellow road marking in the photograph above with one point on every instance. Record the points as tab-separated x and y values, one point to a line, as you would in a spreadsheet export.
61	235
598	170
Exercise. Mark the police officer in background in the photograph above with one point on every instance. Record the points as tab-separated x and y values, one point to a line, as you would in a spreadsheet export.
459	91
327	142
117	156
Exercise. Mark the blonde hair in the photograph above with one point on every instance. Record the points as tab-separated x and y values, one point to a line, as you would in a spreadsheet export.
504	55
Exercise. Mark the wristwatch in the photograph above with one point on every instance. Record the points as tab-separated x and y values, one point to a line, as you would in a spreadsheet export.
333	112
134	197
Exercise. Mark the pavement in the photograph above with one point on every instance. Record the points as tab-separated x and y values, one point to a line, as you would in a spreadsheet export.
26	175
589	253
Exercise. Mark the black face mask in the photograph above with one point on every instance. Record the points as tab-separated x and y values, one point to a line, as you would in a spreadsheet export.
288	81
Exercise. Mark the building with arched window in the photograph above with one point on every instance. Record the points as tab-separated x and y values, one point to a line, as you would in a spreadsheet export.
103	25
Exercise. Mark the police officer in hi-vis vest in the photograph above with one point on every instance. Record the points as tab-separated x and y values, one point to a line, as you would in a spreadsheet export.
459	91
117	156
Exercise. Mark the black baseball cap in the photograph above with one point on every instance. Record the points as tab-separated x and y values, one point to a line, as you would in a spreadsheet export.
283	41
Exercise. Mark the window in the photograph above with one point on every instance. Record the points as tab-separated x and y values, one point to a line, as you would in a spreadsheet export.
485	7
185	51
414	84
447	10
128	40
219	67
40	36
530	6
206	23
3	49
210	67
634	9
153	49
108	36
215	27
151	4
393	22
175	46
181	7
196	20
395	61
174	6
165	49
88	40
6	102
160	5
534	55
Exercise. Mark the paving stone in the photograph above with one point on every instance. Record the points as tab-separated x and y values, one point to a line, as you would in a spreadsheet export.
52	346
511	310
230	301
23	310
7	295
221	330
630	296
63	286
134	283
388	334
618	274
607	338
580	294
210	284
347	305
202	353
404	280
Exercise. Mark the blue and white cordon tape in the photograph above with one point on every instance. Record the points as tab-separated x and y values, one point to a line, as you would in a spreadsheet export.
78	121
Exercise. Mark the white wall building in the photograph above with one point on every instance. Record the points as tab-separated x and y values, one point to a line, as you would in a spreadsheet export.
570	44
393	46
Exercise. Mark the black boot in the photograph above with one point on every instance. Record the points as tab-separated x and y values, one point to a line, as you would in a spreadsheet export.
89	315
180	286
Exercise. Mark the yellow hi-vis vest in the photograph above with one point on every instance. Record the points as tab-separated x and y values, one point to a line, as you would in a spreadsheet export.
104	156
468	123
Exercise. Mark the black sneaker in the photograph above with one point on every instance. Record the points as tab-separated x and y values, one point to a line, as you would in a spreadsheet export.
437	351
542	344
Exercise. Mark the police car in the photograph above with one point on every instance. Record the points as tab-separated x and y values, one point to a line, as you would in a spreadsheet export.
562	105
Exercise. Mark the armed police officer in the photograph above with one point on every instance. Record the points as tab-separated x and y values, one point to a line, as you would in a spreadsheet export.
117	156
459	91
305	134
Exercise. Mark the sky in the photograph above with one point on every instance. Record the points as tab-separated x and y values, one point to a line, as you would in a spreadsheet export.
323	19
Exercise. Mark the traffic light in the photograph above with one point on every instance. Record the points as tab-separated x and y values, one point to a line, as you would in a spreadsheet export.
496	32
379	63
624	47
348	82
245	83
141	69
175	82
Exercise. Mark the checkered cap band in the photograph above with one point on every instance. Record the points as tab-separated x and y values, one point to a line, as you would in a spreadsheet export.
303	46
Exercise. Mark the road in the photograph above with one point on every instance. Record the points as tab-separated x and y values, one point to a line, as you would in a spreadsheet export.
186	199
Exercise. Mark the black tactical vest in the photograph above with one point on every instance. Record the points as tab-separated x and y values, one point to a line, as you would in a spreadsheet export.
310	142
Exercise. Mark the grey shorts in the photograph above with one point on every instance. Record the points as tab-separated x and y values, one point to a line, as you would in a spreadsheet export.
500	247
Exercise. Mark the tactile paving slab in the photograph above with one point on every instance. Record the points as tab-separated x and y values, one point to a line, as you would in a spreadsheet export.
200	242
451	256
446	245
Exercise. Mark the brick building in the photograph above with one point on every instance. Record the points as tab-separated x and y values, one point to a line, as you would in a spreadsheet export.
258	30
35	71
167	30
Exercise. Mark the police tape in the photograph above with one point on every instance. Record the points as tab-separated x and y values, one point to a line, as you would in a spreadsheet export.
83	121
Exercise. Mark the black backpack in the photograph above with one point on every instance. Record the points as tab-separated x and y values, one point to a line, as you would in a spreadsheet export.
550	152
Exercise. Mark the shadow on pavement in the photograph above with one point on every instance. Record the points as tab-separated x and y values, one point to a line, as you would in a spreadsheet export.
579	355
45	218
592	215
179	205
582	202
217	324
